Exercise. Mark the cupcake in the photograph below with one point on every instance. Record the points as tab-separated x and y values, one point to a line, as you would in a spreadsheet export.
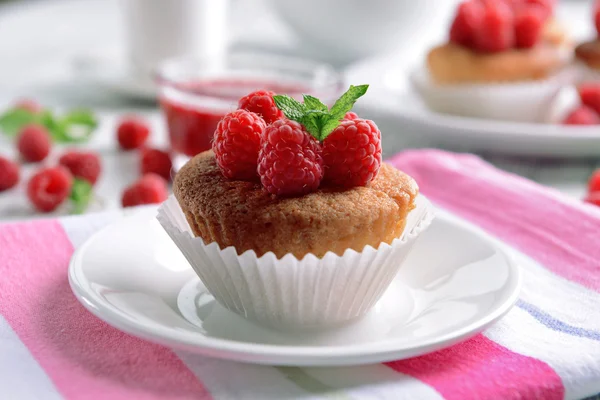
296	224
588	53
504	60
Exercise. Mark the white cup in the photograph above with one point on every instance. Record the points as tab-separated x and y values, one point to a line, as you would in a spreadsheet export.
156	30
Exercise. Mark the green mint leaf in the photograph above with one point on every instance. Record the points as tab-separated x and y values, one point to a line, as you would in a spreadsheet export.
13	120
315	121
75	126
311	123
346	102
291	108
314	104
81	195
328	127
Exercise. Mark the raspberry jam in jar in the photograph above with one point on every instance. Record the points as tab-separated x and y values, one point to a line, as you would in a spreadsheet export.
195	95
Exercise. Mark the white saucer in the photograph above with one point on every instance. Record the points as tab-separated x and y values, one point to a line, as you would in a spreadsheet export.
455	283
405	121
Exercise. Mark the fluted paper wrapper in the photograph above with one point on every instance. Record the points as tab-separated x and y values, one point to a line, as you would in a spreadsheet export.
516	102
290	293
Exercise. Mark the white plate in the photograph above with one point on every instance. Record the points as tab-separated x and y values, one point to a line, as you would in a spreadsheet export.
405	121
455	283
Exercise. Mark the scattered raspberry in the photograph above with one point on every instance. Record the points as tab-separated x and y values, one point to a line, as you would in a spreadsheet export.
593	198
157	162
582	116
29	105
496	31
132	133
289	162
261	102
49	187
594	182
34	143
529	23
237	143
352	153
589	93
466	23
350	116
9	174
150	189
83	165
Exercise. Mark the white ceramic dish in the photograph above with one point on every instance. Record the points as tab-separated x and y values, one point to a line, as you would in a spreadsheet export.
405	120
384	25
145	287
403	117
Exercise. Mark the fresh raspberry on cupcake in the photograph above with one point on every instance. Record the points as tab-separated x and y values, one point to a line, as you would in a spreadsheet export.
290	161
236	144
261	102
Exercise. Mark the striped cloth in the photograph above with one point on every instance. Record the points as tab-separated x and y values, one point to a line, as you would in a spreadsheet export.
547	347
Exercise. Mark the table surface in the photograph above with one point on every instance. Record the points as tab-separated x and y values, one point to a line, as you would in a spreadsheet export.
41	63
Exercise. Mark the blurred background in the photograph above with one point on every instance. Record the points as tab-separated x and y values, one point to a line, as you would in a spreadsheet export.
106	56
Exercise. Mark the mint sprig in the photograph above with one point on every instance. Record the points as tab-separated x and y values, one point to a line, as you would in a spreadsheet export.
81	195
72	127
316	117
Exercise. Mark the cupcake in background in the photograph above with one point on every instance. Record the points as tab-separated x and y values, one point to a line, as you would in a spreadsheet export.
588	53
504	60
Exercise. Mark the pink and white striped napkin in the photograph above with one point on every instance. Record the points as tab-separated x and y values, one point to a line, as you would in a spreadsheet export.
547	347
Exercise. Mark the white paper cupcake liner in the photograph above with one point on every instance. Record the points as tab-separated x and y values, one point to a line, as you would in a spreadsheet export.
517	102
291	293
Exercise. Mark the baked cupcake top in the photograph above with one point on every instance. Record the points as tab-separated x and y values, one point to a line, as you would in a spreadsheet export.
498	41
244	215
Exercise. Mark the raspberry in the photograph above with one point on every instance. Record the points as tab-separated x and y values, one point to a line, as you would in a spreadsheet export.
589	94
594	182
9	174
261	102
49	187
496	31
29	105
237	143
150	189
582	116
132	133
83	165
529	23
466	23
593	198
352	153
350	116
289	162
34	143
154	161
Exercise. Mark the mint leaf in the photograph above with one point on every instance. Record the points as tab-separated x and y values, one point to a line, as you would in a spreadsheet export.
13	120
318	120
346	102
75	126
312	103
81	195
291	108
313	122
328	127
